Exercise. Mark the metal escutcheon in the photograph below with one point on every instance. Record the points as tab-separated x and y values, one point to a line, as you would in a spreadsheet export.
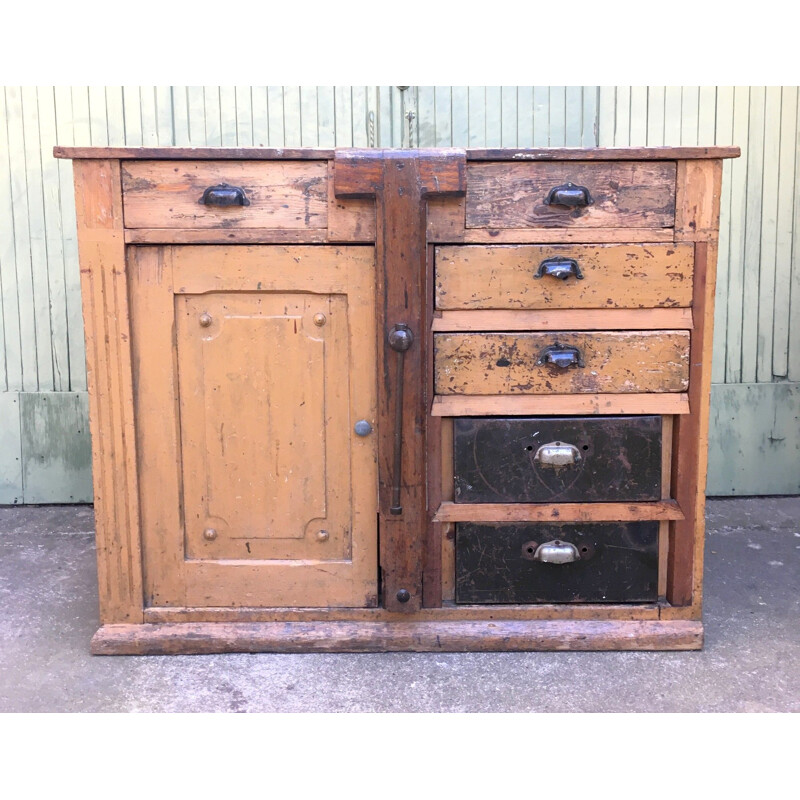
557	454
362	428
556	552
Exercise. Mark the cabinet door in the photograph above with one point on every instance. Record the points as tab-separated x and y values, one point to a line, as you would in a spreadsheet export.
253	365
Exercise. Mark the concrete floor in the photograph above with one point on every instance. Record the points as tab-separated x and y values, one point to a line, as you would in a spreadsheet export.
751	661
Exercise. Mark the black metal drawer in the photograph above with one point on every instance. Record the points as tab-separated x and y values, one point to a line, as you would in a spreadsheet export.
557	562
557	459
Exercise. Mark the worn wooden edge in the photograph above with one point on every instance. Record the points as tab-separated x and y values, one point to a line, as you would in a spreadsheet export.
599	153
447	612
561	512
242	153
563	319
238	236
473	154
439	235
500	405
359	637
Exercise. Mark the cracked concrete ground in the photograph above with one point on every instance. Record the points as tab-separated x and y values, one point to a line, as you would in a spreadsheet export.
751	660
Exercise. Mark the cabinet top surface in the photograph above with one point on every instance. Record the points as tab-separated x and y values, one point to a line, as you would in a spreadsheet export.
320	154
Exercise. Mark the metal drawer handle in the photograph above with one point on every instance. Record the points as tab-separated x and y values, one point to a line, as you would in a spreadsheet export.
562	356
569	195
400	340
224	195
556	552
557	454
559	267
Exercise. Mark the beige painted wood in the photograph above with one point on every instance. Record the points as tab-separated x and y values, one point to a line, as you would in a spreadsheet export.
98	202
225	236
564	512
627	194
615	362
349	219
565	319
502	405
612	277
258	387
699	185
260	423
282	194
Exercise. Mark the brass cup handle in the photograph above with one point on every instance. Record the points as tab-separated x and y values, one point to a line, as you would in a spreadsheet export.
557	552
557	454
569	195
224	195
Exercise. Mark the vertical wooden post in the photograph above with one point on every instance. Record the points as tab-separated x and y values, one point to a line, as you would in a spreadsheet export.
696	220
98	200
401	181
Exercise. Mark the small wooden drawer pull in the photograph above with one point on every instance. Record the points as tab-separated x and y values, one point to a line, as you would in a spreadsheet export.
224	195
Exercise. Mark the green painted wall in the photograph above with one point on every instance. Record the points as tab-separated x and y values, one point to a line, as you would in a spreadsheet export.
44	443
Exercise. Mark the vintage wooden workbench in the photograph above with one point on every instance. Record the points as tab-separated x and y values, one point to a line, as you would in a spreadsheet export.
398	400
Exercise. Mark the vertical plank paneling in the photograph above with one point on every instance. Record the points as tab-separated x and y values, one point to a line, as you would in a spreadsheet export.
164	121
30	321
180	115
525	116
573	116
794	307
9	284
673	123
213	116
309	134
722	135
196	114
326	117
655	115
260	106
752	243
787	192
638	118
590	101
277	136
494	116
149	116
426	116
541	116
359	105
65	135
131	117
558	116
228	122
606	115
460	116
244	116
443	111
736	259
292	131
477	116
509	111
53	263
769	238
622	122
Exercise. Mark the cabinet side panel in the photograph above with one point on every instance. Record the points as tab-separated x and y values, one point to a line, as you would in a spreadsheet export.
105	301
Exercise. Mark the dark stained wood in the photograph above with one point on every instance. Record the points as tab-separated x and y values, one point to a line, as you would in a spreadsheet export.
498	460
625	194
237	153
617	563
402	181
473	154
599	153
360	637
432	571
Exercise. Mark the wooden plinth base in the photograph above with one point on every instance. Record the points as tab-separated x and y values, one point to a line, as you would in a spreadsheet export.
375	637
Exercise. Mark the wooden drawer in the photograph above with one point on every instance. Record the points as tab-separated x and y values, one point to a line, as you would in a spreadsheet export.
279	194
598	276
621	194
533	563
609	362
557	459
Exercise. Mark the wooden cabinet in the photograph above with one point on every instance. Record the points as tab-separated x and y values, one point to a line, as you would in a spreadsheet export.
398	400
